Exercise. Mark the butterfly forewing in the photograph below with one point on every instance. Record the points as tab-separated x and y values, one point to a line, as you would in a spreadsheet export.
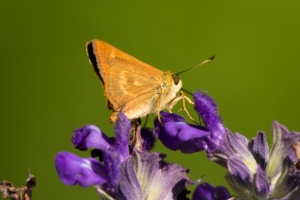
128	82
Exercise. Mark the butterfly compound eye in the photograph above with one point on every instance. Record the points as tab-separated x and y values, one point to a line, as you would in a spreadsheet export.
175	79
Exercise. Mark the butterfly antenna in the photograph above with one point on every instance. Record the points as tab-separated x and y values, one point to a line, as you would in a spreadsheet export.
205	61
187	91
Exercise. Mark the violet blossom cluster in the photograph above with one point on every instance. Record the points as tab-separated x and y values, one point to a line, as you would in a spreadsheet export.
125	172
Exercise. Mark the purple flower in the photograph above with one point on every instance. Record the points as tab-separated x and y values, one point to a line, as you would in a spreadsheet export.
147	175
121	175
254	171
189	138
90	136
74	170
205	191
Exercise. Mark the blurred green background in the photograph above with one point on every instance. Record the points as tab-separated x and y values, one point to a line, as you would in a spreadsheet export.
48	87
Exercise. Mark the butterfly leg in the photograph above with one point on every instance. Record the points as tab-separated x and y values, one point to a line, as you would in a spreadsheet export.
173	102
158	111
146	120
184	98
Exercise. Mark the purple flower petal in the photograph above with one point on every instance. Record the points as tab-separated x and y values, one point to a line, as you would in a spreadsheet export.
261	185
280	145
148	136
147	175
288	182
205	191
260	150
240	171
177	135
157	178
122	131
167	117
233	145
90	136
112	163
128	187
241	139
74	170
208	111
222	193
